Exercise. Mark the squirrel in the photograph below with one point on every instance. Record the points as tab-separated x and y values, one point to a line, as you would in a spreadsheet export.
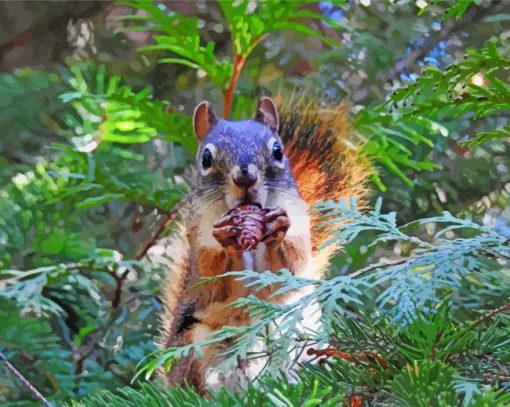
277	165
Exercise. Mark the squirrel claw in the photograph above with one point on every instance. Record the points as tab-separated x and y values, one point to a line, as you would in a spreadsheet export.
228	219
277	224
273	213
227	236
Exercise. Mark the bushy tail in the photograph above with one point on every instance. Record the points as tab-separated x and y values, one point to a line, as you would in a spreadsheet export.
325	161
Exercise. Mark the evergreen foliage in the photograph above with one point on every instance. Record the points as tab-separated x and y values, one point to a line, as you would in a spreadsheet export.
96	150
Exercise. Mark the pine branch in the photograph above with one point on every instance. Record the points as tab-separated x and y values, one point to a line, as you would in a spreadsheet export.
400	287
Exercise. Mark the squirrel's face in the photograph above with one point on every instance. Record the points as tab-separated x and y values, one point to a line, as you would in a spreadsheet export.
241	161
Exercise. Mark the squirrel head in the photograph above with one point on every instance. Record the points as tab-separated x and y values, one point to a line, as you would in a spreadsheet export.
242	161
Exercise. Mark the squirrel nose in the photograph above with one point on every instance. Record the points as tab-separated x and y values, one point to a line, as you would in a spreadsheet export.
245	178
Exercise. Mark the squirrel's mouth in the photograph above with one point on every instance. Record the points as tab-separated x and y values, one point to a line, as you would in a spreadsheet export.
252	194
246	197
247	201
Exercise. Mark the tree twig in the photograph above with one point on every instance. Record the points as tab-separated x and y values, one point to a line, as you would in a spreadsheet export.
119	280
228	95
239	61
167	221
31	388
487	317
95	337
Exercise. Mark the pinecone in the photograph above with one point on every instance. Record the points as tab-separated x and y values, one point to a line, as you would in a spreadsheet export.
248	221
252	226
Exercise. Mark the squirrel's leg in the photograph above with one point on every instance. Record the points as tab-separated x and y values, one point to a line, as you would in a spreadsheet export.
215	256
214	379
201	373
192	370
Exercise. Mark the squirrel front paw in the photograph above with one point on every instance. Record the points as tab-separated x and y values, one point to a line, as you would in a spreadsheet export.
241	228
276	224
226	230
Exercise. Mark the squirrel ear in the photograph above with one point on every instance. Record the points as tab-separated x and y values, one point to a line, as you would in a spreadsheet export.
266	113
203	120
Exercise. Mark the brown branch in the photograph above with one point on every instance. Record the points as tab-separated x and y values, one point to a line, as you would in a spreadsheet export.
20	39
42	27
167	221
484	319
239	61
119	280
228	95
153	238
350	357
487	317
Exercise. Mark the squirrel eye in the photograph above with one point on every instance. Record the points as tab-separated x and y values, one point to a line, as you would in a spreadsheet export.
207	159
277	151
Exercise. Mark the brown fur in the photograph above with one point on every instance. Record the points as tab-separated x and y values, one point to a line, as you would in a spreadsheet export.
324	167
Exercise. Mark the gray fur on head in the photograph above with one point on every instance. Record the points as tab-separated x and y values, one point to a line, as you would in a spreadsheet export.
241	144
